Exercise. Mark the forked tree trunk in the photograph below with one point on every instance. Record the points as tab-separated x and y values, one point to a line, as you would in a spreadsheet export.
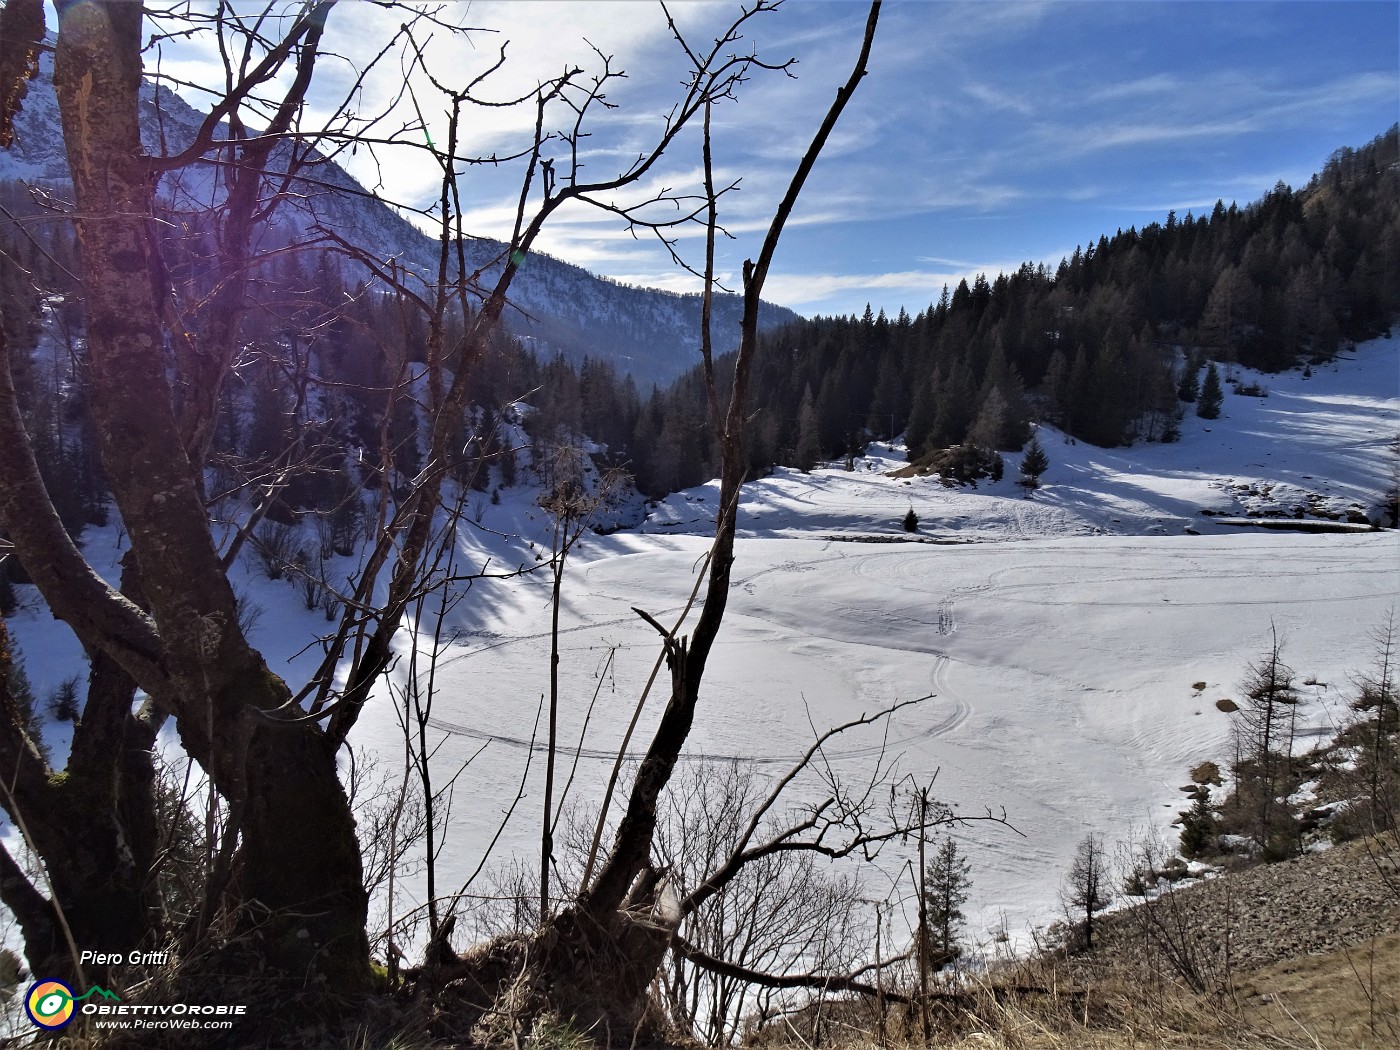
297	883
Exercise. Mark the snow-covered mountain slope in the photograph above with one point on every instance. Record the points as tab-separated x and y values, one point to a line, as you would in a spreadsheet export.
1057	643
1319	446
562	308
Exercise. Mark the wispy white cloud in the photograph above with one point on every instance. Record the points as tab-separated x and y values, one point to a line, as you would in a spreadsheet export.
1163	110
997	98
981	131
802	290
918	287
1156	85
1117	136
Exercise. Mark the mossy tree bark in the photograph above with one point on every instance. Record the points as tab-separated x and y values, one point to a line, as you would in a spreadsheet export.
93	825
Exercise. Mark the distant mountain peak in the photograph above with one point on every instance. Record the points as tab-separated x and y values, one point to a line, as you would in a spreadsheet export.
561	308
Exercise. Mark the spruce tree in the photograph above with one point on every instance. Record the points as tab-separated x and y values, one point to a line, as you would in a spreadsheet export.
1190	386
808	450
946	882
1033	463
403	437
882	420
63	701
1198	826
9	601
921	416
1211	396
269	428
1056	386
21	691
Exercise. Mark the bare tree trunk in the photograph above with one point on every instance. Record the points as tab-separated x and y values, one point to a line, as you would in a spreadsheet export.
687	659
92	826
603	952
923	917
297	878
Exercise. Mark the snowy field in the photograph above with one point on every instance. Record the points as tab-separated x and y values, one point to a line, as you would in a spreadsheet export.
1058	654
1056	639
1059	672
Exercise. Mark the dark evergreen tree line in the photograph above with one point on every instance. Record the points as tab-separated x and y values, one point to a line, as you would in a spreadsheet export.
38	254
1094	346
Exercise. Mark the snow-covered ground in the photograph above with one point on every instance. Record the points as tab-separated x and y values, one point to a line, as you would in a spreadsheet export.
1056	640
1325	437
1059	669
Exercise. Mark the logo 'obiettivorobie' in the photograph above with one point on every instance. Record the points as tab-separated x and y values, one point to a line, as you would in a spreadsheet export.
50	1004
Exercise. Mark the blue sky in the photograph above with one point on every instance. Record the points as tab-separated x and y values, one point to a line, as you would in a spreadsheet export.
986	134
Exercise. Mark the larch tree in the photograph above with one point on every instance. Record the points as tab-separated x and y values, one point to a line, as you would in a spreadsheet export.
1263	730
1377	703
989	429
1086	890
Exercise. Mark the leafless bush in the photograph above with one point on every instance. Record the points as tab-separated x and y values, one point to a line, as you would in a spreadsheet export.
325	536
330	603
184	859
391	822
1170	929
507	904
250	613
308	580
277	548
785	912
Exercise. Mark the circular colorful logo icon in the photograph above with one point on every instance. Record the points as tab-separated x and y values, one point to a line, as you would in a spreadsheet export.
49	1004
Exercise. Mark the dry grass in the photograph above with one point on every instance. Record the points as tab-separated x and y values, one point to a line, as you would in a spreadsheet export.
1038	1006
1111	1000
1317	1003
1345	998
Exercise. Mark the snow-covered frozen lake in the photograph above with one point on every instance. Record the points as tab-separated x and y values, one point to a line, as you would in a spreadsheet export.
1057	640
1058	674
1058	649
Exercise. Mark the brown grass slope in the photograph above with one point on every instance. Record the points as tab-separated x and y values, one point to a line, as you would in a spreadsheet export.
1302	954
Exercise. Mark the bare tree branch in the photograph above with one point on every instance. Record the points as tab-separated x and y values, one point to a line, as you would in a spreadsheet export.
821	982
